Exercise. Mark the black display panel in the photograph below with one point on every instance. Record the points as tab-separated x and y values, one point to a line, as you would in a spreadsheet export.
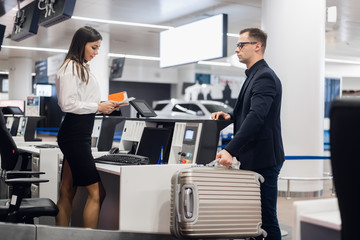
143	108
14	110
117	67
152	141
53	12
26	22
2	33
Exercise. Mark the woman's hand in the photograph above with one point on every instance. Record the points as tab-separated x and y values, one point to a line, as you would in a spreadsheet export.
108	107
220	115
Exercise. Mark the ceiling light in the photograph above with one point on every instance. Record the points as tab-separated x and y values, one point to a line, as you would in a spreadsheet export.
36	49
7	73
134	57
224	64
233	35
120	22
341	61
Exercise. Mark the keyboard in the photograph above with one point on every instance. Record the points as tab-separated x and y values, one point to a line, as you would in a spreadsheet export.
122	159
46	146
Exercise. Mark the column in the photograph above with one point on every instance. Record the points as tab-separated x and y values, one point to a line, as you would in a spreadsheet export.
100	66
185	74
296	51
20	79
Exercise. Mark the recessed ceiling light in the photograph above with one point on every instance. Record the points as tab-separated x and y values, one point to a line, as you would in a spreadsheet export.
120	22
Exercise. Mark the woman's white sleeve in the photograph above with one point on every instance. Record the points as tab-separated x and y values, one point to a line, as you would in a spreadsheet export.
69	95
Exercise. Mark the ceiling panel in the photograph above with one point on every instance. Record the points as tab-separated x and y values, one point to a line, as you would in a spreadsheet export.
342	37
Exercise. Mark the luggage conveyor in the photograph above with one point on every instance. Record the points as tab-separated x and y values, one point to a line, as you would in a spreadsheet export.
44	232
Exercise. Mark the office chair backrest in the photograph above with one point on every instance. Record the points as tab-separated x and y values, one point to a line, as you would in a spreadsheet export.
8	149
344	144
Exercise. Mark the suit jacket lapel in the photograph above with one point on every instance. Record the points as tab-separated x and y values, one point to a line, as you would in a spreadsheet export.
244	87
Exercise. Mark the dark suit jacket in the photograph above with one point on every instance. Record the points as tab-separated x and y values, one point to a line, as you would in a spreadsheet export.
257	141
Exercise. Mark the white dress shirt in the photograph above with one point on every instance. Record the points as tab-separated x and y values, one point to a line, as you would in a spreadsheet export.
74	95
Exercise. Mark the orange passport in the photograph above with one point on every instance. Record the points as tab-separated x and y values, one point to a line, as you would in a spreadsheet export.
121	98
118	97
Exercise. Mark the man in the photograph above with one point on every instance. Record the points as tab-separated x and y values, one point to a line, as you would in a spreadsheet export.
257	141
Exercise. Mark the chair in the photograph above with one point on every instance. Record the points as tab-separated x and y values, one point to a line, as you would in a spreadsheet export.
344	143
18	208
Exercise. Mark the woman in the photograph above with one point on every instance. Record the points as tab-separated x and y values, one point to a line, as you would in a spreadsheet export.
79	97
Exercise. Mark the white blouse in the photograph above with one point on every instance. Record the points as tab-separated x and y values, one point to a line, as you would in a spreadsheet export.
74	95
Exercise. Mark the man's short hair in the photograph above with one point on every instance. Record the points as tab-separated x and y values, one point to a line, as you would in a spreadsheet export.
257	35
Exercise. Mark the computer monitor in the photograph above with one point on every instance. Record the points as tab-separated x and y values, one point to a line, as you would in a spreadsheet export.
14	110
151	142
14	127
143	108
96	131
107	130
9	122
22	126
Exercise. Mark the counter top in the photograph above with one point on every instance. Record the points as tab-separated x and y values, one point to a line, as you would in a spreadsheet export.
329	219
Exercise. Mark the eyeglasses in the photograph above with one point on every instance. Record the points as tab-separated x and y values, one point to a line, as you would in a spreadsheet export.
240	45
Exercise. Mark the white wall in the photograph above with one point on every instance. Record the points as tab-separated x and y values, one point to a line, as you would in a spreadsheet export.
342	70
349	73
351	83
4	66
147	71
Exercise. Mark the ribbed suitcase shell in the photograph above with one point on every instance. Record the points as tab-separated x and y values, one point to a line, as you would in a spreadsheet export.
219	203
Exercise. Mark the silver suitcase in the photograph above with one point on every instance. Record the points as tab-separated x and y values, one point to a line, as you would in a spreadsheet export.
209	202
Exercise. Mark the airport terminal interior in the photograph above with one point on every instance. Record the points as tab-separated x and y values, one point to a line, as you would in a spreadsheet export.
169	65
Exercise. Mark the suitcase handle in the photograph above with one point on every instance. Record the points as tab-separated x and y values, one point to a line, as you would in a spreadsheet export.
215	163
188	203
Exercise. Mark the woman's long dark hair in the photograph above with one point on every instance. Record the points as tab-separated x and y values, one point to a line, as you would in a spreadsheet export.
77	50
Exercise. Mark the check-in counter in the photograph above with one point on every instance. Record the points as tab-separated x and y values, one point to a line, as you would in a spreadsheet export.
44	160
137	198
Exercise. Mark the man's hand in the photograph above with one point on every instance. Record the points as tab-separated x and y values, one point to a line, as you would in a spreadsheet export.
220	115
225	158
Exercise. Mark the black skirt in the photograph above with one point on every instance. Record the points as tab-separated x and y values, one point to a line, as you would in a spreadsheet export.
74	139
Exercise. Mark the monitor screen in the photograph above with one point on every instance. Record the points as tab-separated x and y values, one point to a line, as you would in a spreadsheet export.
189	134
202	40
44	90
143	108
151	142
22	126
17	103
97	127
12	110
117	67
